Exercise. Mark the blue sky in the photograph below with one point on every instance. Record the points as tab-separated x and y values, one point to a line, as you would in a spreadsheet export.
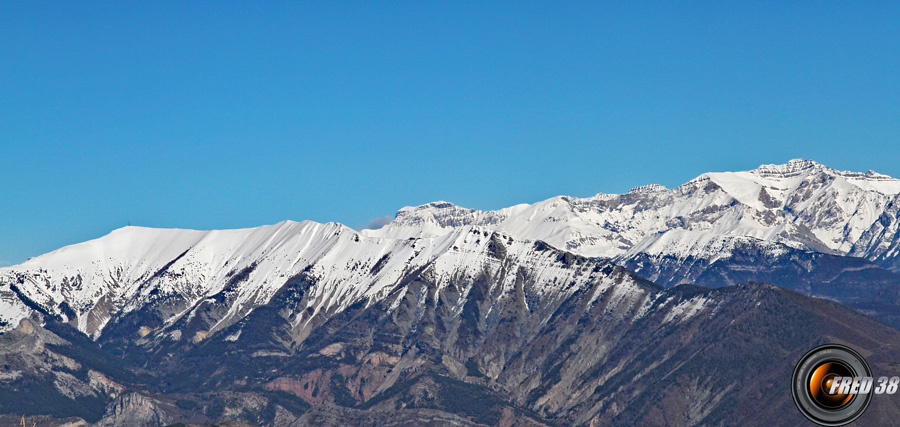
202	115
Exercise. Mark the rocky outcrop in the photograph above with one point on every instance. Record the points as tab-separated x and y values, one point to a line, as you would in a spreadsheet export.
135	410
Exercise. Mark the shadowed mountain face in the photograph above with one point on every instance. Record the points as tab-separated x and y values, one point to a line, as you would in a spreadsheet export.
855	282
496	341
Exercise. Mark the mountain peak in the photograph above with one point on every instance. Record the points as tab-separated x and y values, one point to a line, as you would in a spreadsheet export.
796	167
440	204
430	209
792	168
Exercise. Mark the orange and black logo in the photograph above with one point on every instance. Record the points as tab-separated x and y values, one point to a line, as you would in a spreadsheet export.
832	385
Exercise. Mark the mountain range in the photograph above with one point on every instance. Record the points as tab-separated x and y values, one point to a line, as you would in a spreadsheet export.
652	307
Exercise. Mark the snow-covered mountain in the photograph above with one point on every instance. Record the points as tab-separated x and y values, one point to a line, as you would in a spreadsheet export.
526	313
177	272
798	205
659	232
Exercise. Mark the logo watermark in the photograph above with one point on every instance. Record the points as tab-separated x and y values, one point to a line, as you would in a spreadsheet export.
832	385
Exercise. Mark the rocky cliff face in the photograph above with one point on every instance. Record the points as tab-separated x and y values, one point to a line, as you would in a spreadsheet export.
134	409
37	378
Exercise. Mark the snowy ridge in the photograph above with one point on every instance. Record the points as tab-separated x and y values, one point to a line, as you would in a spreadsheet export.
118	272
180	272
801	204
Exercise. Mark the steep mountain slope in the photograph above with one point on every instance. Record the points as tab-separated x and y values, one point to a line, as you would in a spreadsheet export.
315	324
170	270
217	277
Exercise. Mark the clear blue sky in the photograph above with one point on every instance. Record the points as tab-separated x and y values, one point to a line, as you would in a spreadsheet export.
198	115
